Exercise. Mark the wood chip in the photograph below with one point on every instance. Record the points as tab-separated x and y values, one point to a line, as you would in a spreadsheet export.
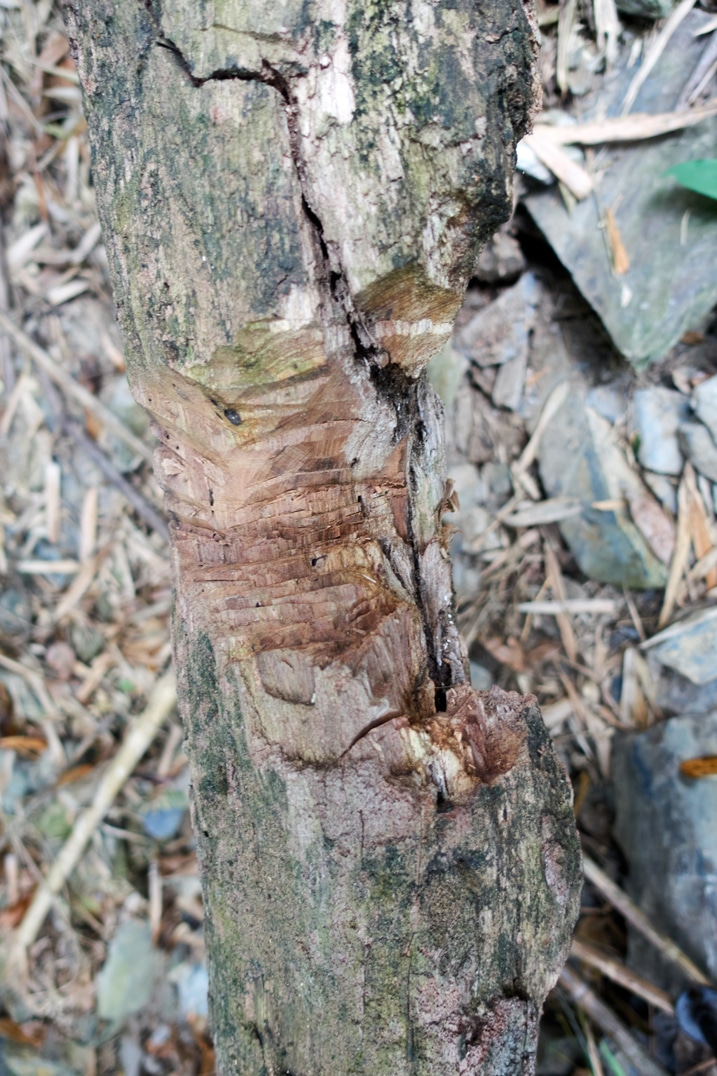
47	567
19	253
701	530
551	510
652	522
566	28
637	696
574	606
555	579
556	713
564	168
625	128
62	293
53	505
100	666
607	29
550	408
618	255
678	564
80	586
88	524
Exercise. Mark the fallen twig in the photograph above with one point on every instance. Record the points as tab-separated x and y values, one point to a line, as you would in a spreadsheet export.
608	1023
595	606
68	384
138	738
656	50
625	128
683	540
616	970
139	502
639	920
564	168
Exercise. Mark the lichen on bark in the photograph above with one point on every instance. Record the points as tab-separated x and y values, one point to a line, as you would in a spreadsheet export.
293	197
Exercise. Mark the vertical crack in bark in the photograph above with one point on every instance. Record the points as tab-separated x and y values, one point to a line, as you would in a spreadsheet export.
390	381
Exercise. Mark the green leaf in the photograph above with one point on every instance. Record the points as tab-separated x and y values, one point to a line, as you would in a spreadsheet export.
610	1060
699	176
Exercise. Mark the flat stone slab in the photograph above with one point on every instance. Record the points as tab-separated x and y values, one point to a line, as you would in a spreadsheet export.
666	826
689	647
578	458
656	415
669	233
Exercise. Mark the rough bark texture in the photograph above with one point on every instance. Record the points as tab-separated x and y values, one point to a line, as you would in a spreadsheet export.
293	196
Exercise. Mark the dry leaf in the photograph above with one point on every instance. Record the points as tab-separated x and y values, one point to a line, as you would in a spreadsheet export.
13	1032
10	917
29	746
508	652
704	766
75	773
618	254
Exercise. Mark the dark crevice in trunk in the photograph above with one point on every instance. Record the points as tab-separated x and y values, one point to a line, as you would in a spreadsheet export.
221	75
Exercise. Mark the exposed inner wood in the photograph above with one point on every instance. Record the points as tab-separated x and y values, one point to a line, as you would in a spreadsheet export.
306	512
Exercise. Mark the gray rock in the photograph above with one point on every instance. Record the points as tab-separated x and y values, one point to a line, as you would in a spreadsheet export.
704	402
497	481
527	163
162	817
656	415
663	489
445	372
126	980
86	640
500	331
608	400
15	613
645	9
689	646
466	577
192	984
665	824
677	694
501	259
508	387
481	678
19	1061
671	284
699	448
578	458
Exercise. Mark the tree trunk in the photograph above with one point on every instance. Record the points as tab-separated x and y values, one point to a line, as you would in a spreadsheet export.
293	195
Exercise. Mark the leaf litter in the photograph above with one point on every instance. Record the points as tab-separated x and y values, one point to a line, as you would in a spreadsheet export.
98	874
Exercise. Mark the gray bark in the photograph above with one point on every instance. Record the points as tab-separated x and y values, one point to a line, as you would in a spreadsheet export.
293	196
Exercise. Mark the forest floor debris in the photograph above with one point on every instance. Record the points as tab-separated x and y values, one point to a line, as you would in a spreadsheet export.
585	568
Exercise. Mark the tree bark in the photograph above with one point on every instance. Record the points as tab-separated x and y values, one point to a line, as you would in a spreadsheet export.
293	196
